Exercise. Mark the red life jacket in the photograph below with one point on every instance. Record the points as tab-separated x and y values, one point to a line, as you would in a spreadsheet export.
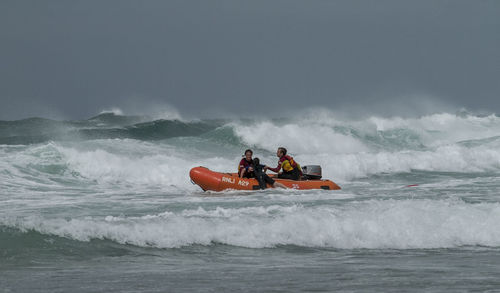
244	164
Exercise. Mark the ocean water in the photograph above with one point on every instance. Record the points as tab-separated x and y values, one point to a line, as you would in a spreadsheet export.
106	205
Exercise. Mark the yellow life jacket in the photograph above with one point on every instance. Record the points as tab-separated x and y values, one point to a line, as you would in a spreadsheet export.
288	164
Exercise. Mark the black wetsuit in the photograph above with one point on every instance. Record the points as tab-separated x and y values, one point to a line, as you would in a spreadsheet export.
294	174
262	177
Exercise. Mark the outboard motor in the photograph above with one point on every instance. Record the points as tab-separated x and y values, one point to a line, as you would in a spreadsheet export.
312	172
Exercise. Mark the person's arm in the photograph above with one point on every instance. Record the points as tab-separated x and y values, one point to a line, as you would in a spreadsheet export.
241	169
277	169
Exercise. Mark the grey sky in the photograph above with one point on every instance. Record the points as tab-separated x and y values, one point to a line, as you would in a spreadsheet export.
72	59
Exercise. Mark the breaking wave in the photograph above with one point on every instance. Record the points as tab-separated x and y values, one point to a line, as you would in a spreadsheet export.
161	152
374	224
125	179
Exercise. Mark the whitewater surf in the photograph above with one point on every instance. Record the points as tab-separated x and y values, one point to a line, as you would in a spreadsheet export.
115	189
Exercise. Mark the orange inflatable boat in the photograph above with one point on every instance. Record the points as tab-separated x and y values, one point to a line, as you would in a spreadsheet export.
215	181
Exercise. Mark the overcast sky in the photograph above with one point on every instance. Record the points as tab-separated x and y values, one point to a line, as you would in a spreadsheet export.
73	59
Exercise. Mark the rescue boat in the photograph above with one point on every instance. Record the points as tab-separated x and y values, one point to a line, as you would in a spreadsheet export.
216	181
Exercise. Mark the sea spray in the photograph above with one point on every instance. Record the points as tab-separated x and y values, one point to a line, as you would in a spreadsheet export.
373	224
346	150
111	195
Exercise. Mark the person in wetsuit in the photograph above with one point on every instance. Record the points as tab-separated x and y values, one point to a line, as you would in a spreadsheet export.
262	177
245	168
291	169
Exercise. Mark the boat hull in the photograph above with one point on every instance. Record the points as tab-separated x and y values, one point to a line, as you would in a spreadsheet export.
216	181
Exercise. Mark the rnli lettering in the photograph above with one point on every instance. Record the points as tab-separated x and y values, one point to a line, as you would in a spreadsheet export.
233	181
228	180
243	182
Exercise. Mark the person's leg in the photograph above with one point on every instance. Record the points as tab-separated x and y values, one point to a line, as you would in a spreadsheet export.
285	176
262	181
293	175
277	184
273	183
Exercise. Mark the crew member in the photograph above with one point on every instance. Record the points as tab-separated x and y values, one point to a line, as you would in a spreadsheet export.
245	168
291	169
262	177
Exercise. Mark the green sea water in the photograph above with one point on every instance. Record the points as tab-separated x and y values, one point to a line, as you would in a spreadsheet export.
106	205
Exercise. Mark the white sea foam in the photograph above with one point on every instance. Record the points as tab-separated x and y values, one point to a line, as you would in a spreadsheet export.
129	162
343	156
25	166
303	139
139	163
114	110
448	158
443	128
41	187
374	224
318	135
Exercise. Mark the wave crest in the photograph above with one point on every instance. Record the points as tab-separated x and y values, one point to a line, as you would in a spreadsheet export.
375	224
